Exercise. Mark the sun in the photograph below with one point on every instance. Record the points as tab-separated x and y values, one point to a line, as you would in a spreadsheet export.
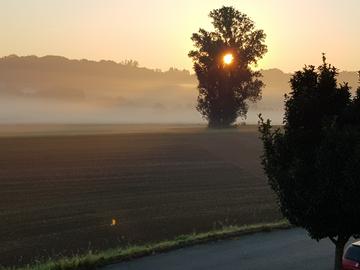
228	59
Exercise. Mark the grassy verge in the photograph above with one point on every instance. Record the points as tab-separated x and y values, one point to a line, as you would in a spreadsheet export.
102	258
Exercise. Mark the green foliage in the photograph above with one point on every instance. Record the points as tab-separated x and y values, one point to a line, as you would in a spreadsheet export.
313	164
224	90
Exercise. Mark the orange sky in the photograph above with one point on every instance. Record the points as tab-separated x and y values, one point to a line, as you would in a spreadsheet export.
157	33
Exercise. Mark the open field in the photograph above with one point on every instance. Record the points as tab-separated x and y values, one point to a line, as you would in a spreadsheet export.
59	194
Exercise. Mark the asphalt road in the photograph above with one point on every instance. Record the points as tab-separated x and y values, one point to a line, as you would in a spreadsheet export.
280	250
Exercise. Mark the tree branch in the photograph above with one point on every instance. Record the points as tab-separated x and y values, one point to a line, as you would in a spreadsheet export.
333	240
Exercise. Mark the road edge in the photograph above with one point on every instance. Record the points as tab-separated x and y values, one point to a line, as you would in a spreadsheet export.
103	258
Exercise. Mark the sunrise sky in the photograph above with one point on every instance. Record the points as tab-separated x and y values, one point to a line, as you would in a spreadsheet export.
157	33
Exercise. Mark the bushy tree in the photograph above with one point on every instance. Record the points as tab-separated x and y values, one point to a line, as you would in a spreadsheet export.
225	88
313	162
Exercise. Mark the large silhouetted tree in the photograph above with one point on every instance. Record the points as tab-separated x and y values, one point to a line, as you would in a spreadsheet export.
224	88
313	162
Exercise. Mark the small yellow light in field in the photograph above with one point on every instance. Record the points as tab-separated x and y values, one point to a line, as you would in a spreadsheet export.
113	222
228	59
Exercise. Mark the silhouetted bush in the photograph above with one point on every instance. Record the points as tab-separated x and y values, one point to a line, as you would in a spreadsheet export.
313	162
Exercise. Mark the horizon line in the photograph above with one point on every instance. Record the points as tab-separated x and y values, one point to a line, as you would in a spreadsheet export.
139	66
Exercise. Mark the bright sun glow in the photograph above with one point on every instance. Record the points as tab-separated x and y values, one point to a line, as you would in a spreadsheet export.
228	59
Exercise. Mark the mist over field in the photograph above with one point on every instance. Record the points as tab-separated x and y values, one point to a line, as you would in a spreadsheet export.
54	89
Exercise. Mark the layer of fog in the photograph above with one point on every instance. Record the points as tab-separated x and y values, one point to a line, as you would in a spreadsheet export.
47	111
62	91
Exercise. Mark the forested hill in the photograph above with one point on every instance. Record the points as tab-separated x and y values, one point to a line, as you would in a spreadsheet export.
97	86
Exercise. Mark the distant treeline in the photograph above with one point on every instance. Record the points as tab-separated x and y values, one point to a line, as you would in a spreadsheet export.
118	86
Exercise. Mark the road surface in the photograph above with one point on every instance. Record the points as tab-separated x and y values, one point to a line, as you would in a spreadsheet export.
279	250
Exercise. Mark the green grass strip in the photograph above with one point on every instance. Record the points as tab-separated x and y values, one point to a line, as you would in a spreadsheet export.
102	258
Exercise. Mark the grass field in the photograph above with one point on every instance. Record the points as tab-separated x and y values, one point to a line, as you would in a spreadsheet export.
60	193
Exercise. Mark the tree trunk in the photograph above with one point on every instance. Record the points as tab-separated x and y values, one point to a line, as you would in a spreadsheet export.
219	124
339	252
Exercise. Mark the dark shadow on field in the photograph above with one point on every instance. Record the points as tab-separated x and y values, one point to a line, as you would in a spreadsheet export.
59	194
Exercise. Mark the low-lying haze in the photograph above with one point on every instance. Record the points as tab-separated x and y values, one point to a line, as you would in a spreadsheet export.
54	89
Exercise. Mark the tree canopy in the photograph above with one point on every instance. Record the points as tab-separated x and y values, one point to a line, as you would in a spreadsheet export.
224	87
312	163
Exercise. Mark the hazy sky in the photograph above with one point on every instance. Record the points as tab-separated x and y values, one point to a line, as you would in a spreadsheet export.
157	32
